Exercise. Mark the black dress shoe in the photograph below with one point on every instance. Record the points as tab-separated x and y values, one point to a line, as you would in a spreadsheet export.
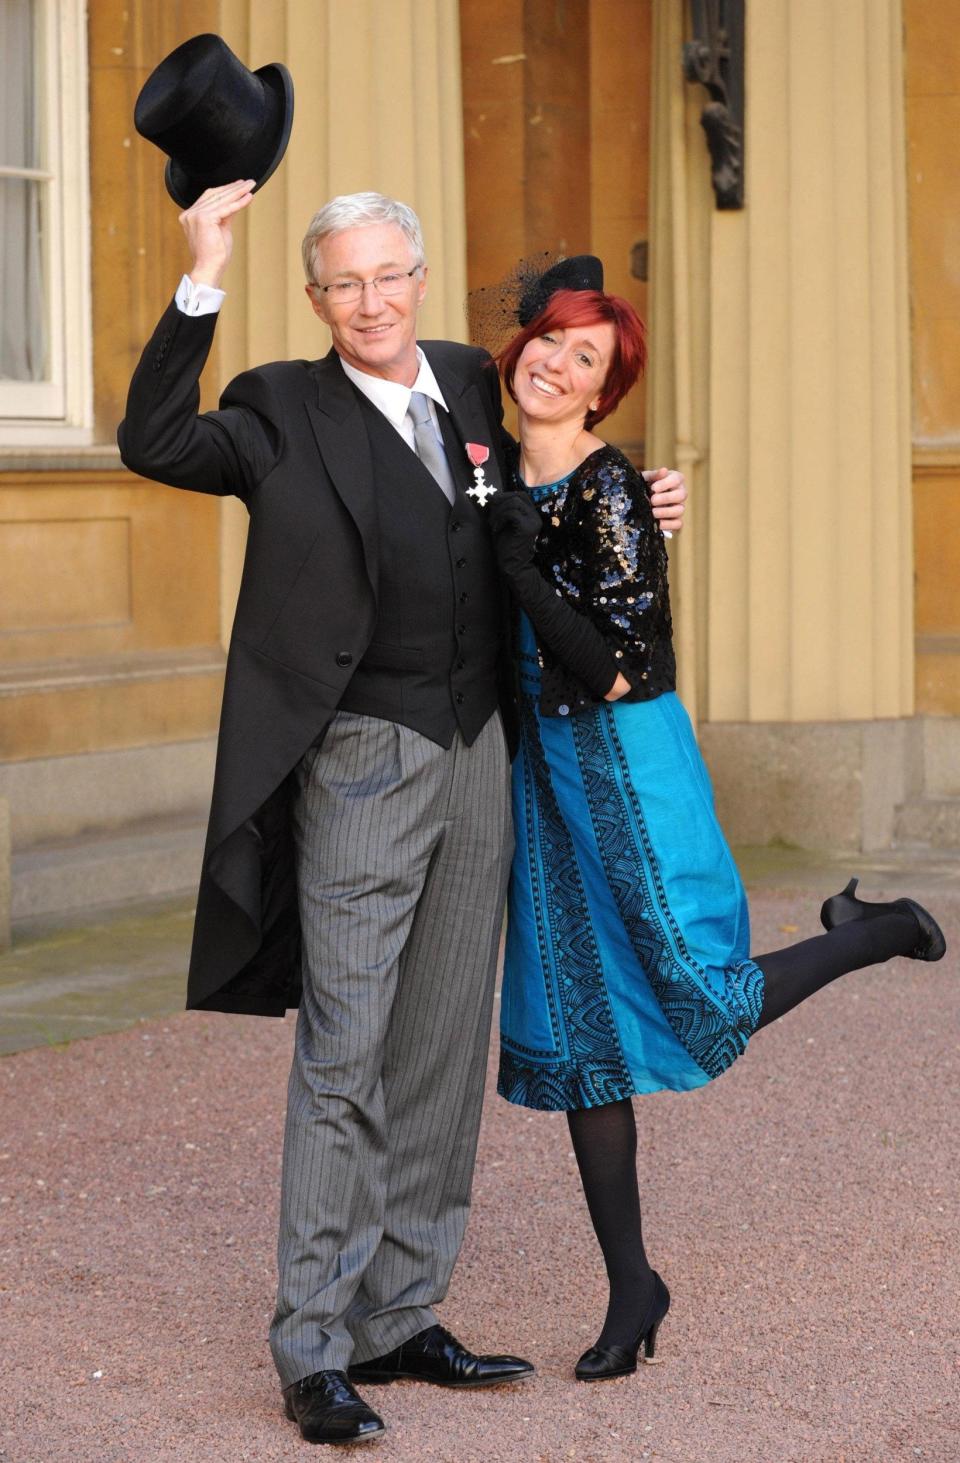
845	906
436	1356
328	1410
600	1363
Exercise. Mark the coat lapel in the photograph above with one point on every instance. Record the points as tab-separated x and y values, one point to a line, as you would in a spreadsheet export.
344	446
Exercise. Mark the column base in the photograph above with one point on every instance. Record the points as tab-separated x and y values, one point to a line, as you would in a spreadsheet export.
844	785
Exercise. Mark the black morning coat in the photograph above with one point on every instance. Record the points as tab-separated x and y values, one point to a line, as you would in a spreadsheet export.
290	441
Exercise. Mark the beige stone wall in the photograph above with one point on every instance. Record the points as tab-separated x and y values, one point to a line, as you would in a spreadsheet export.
96	652
801	601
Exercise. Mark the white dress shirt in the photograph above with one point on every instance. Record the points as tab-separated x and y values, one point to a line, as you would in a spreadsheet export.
388	397
198	299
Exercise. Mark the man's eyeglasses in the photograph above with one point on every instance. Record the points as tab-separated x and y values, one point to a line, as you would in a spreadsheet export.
346	290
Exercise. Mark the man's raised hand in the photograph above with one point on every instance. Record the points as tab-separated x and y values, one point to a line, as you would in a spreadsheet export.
208	227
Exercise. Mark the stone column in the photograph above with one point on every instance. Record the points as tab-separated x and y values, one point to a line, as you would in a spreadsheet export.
811	566
678	375
803	609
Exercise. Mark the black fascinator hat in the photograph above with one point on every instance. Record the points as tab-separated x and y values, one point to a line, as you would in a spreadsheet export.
582	272
216	120
497	311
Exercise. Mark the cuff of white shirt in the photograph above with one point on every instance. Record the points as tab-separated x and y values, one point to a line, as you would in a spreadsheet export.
198	299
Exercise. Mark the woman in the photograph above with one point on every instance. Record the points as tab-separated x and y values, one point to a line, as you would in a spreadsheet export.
627	965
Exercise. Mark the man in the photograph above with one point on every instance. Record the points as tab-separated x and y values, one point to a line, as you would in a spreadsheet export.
360	827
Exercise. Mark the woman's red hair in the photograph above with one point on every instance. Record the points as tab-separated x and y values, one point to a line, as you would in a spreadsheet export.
566	309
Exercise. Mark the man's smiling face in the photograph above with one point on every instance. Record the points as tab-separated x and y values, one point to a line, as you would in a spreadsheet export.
375	333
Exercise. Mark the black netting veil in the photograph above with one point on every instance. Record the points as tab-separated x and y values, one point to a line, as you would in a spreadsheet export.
495	312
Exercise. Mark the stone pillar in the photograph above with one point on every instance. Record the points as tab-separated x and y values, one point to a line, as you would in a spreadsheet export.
678	377
811	586
803	608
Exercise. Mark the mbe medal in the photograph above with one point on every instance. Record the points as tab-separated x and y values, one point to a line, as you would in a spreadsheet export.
481	489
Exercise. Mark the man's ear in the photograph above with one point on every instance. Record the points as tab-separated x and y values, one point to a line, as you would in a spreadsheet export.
422	287
317	301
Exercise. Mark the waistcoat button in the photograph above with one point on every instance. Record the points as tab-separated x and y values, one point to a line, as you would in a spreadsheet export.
564	710
344	658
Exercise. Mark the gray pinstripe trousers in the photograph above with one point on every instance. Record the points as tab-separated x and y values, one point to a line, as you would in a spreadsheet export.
403	853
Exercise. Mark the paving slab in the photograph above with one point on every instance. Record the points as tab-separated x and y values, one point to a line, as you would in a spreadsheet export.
62	980
803	1210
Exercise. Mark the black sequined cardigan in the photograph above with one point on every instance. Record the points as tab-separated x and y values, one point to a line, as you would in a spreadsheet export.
602	548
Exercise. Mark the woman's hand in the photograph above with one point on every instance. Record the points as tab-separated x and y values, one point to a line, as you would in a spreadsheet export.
619	688
515	523
208	227
668	494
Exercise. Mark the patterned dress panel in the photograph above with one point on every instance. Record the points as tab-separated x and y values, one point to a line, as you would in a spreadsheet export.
713	1032
595	1071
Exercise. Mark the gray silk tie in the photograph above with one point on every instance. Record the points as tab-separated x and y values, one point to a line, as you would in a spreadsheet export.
429	450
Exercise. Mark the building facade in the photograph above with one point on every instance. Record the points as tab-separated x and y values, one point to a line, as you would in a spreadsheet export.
803	374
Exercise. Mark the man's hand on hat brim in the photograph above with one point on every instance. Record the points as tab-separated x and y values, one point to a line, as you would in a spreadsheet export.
208	227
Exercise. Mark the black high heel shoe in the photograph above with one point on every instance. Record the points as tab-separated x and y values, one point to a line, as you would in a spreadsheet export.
599	1363
845	906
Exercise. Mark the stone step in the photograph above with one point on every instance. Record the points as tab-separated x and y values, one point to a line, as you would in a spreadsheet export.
140	861
929	822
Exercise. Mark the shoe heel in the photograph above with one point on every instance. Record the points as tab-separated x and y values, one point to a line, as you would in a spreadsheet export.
288	1411
840	907
649	1345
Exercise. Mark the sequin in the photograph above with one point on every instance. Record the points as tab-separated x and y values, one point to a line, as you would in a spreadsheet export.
602	550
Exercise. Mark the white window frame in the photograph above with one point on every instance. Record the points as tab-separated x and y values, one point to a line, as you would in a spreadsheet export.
59	411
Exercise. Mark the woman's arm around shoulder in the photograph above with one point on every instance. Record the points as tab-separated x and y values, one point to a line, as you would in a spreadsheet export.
619	557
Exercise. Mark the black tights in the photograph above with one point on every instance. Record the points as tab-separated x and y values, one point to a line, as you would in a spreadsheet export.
793	974
605	1138
605	1144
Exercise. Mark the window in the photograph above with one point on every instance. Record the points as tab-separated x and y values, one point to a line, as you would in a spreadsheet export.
45	385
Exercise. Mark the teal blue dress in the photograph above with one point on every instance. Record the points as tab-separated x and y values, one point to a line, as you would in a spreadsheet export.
627	965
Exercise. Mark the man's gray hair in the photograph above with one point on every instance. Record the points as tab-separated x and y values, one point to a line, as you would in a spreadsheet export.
353	211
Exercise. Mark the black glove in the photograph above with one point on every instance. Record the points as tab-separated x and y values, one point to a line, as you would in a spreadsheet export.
515	523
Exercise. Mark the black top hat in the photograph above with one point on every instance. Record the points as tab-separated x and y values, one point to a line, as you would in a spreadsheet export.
216	120
582	272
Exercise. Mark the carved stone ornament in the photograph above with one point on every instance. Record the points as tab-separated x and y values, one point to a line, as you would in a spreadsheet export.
714	58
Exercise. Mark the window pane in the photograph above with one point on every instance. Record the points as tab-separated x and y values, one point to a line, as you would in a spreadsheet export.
22	334
19	132
23	349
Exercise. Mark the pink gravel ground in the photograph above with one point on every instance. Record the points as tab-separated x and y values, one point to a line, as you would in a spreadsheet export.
803	1211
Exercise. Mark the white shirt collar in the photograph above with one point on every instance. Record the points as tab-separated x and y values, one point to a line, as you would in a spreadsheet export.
389	396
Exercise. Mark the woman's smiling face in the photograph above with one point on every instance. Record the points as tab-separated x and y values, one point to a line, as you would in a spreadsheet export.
560	374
